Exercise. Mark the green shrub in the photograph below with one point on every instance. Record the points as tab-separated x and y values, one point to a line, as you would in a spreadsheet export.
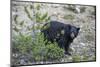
36	47
22	43
45	52
40	17
76	58
69	17
54	52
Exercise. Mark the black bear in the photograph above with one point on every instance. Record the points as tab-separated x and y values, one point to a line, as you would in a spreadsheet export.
63	34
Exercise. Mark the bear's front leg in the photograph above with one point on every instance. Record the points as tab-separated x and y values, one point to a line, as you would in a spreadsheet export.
67	48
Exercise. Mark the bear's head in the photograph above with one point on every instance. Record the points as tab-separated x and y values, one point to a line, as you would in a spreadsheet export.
74	32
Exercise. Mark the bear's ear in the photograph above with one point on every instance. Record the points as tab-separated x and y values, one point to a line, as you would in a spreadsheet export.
78	29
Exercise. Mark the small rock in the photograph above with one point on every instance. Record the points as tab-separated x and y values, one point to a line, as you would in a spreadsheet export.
82	44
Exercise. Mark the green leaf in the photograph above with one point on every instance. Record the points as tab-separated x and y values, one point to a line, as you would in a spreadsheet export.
38	18
15	19
44	16
28	13
38	7
16	29
47	19
21	23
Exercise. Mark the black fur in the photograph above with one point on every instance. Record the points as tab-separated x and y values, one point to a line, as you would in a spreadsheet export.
62	33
